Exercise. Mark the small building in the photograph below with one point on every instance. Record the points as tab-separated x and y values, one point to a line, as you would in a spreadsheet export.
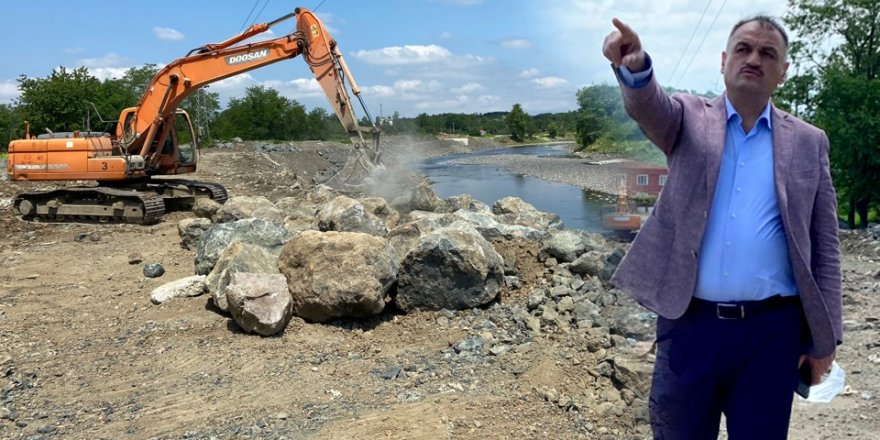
643	178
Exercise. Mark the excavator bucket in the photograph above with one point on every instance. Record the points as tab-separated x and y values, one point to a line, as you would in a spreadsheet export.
360	172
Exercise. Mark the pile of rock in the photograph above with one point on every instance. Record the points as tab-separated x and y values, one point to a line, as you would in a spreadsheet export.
341	257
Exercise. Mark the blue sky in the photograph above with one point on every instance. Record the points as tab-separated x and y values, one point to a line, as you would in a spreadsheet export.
409	56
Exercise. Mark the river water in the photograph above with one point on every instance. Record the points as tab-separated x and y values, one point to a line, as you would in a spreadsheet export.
578	208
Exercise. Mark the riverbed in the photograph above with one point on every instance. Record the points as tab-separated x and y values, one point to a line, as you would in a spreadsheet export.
543	175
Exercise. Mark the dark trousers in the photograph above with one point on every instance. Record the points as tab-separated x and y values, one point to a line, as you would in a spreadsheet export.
738	360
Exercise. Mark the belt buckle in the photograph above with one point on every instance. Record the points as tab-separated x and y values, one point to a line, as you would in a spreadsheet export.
720	309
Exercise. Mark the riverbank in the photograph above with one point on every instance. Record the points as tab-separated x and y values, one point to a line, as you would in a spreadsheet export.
579	172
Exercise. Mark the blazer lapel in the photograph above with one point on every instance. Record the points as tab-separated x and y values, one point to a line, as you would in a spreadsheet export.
716	136
783	151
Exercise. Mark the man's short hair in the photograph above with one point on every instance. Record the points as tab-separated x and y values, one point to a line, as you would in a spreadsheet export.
764	21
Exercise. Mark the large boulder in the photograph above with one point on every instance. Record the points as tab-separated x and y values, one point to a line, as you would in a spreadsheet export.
491	229
256	231
259	302
405	237
191	231
338	274
238	257
468	203
380	208
425	199
514	211
344	214
451	268
205	207
294	207
242	207
566	245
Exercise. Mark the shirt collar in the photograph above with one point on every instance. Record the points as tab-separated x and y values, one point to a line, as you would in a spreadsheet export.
731	112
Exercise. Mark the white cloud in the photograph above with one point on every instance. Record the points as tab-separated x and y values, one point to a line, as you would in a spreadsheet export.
379	91
407	84
519	43
454	104
529	73
488	99
330	21
234	84
549	82
469	88
410	54
8	90
306	87
104	73
109	60
164	33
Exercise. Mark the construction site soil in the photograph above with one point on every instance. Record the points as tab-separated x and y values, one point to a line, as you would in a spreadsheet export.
84	354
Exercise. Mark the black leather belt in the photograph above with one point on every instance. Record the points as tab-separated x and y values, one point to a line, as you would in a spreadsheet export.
742	309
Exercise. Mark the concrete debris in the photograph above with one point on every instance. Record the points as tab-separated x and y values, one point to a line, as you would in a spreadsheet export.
184	287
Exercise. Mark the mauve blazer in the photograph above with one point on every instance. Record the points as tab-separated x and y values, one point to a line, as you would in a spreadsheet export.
660	269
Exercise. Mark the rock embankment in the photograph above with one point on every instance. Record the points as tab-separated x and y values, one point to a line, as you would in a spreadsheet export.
351	259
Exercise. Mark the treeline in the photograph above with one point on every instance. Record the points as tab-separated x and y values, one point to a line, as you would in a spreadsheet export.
68	100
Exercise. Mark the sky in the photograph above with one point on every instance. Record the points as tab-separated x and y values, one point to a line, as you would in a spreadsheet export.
408	56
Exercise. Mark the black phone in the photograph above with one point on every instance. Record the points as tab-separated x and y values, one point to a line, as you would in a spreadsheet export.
805	378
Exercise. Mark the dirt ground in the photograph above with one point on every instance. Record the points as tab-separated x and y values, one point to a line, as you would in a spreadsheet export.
85	354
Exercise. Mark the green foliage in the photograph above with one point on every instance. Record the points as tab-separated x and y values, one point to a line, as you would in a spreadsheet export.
604	126
552	130
836	84
262	114
518	123
11	125
57	102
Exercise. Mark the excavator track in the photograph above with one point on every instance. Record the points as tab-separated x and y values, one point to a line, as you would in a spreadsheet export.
215	191
89	205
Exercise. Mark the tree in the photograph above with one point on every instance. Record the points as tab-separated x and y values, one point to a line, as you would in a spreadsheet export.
263	114
552	130
11	125
59	101
517	123
838	51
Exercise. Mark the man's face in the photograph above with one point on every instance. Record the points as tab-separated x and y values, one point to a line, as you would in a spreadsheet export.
755	60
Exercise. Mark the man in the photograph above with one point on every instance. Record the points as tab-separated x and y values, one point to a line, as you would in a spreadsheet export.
740	257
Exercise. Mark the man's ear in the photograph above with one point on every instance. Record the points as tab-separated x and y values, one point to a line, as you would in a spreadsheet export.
723	60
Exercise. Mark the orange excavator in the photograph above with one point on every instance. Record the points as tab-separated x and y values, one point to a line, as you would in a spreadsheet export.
156	138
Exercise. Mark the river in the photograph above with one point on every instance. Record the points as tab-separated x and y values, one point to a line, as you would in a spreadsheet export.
578	208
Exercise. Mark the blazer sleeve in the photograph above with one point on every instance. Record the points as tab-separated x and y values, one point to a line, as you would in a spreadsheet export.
826	244
658	115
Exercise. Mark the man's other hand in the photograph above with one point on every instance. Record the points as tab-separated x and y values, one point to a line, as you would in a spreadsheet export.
819	367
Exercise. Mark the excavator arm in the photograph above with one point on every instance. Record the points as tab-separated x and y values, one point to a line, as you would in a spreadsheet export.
142	130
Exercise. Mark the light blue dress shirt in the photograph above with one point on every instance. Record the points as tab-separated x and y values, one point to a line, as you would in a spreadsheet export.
744	254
